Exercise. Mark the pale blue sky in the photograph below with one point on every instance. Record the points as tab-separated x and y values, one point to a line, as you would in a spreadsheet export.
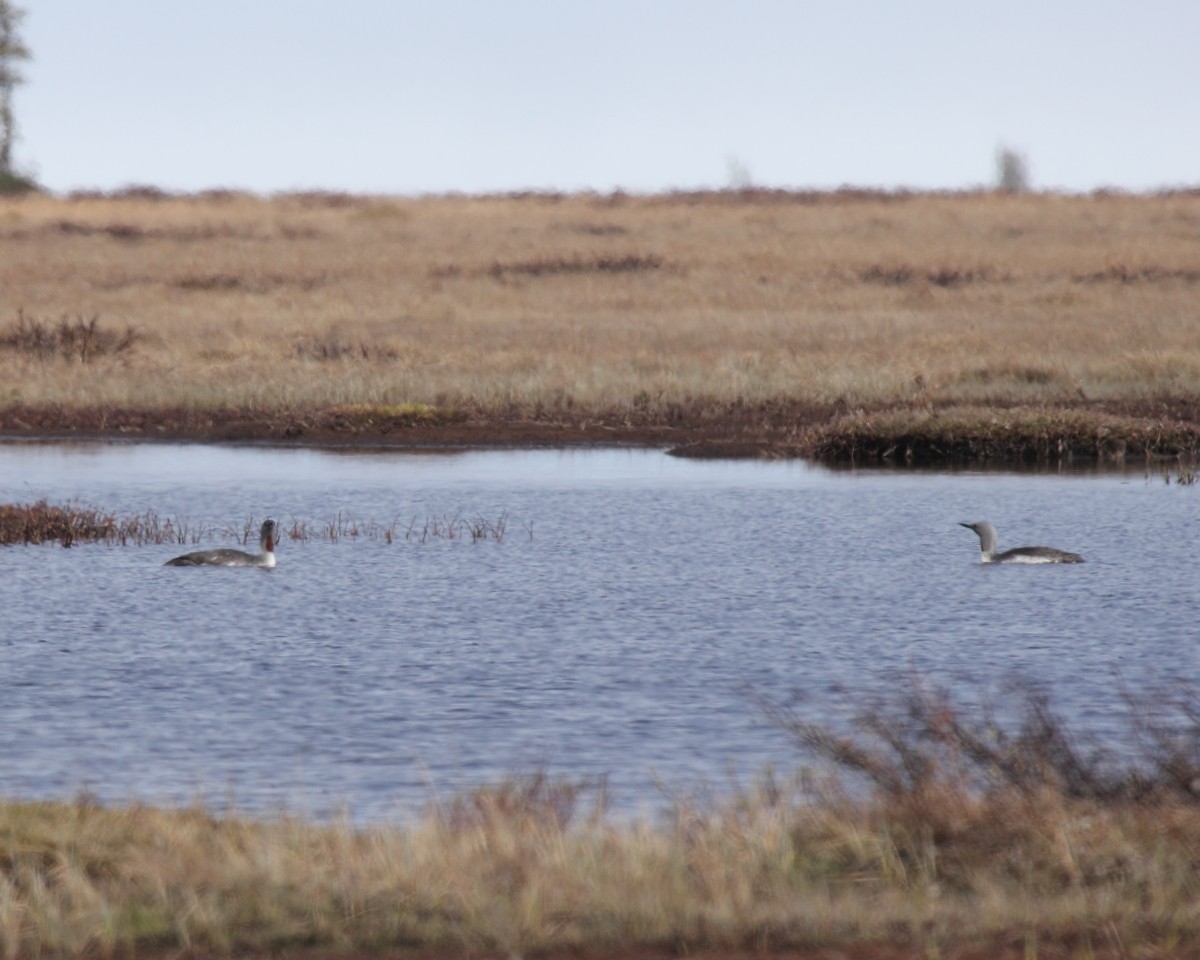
410	97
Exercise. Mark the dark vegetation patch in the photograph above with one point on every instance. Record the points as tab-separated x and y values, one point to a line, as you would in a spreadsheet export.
333	346
1038	376
901	275
130	233
596	229
557	266
322	199
551	266
70	338
15	185
249	283
211	281
905	274
118	231
1019	435
771	196
1124	274
133	191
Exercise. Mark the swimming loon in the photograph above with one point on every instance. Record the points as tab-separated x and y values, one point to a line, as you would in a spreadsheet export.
987	546
226	557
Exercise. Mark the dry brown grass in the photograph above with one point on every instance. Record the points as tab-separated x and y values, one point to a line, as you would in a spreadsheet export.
669	309
71	524
971	843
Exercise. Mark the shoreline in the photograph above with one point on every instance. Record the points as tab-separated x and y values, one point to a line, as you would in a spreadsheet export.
1152	429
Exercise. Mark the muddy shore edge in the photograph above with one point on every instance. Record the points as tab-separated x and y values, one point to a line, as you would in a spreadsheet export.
1148	429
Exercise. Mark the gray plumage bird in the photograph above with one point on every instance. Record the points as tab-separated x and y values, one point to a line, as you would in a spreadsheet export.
227	557
987	548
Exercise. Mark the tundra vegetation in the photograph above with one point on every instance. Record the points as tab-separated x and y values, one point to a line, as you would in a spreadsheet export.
853	323
921	828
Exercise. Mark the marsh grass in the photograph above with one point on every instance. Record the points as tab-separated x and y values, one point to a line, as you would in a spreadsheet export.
74	523
756	310
1186	470
445	527
973	834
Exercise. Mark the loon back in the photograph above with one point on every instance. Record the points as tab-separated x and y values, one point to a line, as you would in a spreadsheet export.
225	557
987	548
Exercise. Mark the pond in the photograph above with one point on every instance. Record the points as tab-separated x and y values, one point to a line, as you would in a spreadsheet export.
628	624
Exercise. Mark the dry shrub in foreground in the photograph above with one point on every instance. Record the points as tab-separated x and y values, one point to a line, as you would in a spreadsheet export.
971	838
921	740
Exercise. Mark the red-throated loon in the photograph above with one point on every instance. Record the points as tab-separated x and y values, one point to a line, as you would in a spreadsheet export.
226	557
987	546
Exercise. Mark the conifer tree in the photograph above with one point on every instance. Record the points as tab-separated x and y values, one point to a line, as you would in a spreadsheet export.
12	52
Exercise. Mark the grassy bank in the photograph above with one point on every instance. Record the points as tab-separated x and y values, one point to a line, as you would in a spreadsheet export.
736	322
958	837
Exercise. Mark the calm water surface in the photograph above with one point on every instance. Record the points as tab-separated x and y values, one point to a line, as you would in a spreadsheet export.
624	626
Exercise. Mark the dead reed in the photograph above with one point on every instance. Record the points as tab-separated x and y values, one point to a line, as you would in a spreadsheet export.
974	837
73	524
1188	470
446	527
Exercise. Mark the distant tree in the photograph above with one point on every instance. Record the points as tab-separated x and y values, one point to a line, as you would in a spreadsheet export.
12	51
738	173
1012	172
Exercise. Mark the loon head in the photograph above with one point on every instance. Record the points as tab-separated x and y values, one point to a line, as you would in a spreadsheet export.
268	535
987	535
